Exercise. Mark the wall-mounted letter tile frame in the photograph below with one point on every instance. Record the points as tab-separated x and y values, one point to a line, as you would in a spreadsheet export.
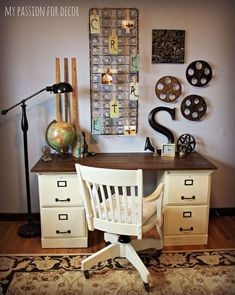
114	70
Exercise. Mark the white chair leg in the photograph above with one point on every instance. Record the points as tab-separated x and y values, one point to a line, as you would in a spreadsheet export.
134	259
159	229
144	244
112	238
106	253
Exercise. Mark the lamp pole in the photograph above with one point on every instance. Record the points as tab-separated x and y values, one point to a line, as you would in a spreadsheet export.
31	228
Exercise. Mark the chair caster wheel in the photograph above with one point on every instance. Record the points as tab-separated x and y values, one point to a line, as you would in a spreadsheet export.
146	287
158	253
86	274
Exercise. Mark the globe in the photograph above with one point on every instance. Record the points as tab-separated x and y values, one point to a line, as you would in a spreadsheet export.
60	135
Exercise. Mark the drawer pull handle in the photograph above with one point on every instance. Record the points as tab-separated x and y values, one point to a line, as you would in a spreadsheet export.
63	232
62	200
190	198
186	229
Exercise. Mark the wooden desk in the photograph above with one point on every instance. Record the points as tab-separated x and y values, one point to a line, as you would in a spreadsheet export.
145	161
186	196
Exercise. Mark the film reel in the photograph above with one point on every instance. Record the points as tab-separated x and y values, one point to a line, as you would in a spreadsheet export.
193	107
186	143
168	89
199	73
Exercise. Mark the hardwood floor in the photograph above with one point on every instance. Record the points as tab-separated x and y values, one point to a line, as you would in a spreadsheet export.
221	236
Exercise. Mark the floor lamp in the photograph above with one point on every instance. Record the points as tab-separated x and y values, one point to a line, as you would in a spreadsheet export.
32	229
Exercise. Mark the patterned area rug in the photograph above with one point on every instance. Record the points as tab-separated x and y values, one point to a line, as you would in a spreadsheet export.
204	273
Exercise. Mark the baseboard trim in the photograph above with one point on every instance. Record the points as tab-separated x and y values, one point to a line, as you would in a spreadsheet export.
215	212
18	216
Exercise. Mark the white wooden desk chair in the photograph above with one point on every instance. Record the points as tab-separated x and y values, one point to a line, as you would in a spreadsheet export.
114	203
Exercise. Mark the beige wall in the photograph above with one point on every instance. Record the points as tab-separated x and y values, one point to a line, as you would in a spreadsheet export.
29	45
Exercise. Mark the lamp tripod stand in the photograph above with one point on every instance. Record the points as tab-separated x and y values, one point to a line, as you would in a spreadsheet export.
31	228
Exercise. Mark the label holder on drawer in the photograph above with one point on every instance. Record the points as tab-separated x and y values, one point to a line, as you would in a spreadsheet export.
187	214
188	182
63	216
61	183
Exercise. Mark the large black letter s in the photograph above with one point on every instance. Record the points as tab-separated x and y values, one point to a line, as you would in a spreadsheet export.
158	127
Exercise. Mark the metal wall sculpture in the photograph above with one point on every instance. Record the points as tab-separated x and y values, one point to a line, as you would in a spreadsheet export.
114	71
168	46
168	89
193	107
199	73
186	143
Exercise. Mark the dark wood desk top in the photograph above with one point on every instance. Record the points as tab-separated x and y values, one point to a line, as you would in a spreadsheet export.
145	161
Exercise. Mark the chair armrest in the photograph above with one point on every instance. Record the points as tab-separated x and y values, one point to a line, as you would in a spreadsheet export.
155	195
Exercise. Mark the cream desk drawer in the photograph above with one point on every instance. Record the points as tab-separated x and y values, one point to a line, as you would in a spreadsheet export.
59	190
63	223
184	220
192	188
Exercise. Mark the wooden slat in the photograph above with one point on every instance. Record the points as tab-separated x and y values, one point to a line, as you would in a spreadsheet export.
74	95
67	114
58	96
92	199
111	203
96	199
118	205
125	203
104	203
133	204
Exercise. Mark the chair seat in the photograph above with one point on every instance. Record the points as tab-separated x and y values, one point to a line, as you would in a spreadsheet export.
149	209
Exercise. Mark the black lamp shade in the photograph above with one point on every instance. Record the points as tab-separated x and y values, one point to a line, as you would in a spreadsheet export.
61	87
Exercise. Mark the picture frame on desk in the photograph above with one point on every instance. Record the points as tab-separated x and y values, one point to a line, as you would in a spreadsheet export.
168	150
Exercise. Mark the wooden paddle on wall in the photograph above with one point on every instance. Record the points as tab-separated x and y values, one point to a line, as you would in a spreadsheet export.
67	113
78	146
58	96
74	96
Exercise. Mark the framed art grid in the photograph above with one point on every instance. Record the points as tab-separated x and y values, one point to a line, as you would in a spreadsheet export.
114	70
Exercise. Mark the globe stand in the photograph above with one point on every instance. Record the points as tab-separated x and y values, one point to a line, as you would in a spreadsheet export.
61	155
